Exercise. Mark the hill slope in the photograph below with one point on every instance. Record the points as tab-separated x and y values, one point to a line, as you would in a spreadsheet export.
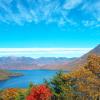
82	60
4	74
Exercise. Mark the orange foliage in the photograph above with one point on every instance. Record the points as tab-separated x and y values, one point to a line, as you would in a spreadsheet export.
86	78
11	93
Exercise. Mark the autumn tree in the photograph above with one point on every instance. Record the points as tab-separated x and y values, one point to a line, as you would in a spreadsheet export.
83	84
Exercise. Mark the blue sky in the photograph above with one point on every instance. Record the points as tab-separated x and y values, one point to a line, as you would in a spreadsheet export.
49	23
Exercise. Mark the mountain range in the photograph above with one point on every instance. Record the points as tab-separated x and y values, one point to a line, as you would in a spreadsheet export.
52	63
28	63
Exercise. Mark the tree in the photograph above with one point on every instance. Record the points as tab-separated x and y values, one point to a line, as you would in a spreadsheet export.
83	84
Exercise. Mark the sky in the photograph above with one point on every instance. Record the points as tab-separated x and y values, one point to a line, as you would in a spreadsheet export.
49	24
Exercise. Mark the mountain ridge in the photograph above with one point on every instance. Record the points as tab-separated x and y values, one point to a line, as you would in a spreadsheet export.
82	60
28	63
51	63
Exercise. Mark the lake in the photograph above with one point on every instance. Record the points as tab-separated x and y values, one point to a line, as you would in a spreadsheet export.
35	76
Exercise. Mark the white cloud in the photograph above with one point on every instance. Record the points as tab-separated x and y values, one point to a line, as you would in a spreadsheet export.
70	4
24	14
93	10
60	12
44	52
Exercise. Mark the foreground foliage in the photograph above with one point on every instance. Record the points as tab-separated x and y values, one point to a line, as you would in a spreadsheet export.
12	94
83	84
39	93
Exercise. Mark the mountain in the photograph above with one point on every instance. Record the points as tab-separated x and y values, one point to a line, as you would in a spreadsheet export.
28	63
82	60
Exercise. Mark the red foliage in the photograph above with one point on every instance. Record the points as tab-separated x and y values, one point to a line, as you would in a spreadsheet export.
39	93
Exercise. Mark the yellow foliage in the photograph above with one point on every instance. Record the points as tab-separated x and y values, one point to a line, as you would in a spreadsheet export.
87	78
11	93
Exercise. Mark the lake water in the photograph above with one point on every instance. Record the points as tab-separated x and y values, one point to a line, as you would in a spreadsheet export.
35	76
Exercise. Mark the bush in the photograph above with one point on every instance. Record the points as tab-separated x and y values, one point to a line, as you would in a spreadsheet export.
9	94
13	94
40	92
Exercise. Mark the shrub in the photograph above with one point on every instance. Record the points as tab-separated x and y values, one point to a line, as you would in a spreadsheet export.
40	92
9	94
13	94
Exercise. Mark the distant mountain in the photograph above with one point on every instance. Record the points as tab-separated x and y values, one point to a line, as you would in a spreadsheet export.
82	60
27	63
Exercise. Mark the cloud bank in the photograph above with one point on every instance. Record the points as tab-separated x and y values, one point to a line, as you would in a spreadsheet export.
62	12
44	52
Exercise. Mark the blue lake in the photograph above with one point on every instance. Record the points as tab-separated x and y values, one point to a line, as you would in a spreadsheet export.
35	76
